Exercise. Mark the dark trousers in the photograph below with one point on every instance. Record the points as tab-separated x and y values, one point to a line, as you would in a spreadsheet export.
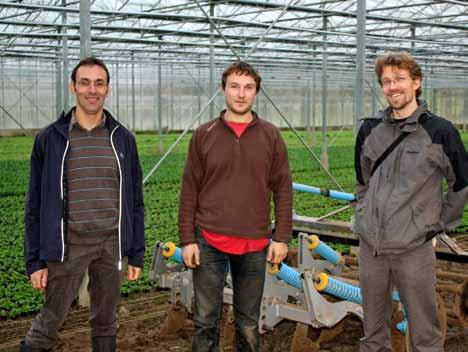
248	278
413	274
63	282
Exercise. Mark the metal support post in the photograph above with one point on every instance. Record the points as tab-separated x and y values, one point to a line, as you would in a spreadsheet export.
314	105
140	95
2	74
308	94
160	127
36	97
127	96
58	84
374	97
117	97
212	89
324	151
359	91
65	78
133	91
198	91
85	28
20	75
171	98
434	95
465	103
425	80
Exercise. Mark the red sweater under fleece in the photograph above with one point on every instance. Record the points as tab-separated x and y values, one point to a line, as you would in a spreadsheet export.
228	182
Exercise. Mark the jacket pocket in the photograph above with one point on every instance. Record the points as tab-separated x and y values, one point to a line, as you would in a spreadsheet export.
360	219
426	216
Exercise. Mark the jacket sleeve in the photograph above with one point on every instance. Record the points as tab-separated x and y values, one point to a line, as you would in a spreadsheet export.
137	247
191	183
362	165
455	168
32	236
281	186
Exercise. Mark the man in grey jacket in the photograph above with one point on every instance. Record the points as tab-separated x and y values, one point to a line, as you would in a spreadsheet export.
401	205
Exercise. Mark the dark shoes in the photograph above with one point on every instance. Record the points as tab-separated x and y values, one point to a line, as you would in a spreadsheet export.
100	344
104	344
26	348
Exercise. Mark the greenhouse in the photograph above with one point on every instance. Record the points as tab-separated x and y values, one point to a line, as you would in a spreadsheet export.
165	59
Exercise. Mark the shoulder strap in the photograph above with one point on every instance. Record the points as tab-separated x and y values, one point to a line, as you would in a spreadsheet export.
387	152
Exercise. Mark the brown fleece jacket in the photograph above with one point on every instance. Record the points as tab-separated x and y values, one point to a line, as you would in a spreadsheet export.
228	182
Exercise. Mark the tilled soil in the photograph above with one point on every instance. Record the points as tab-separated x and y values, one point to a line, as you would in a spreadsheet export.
145	325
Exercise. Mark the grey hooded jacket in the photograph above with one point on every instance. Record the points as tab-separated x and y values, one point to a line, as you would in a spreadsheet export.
402	205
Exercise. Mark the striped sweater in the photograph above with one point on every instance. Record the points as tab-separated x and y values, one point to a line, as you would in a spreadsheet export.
91	186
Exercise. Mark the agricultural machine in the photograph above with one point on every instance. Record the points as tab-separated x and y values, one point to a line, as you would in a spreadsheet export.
318	287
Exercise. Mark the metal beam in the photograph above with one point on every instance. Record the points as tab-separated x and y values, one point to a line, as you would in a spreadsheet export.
359	91
85	28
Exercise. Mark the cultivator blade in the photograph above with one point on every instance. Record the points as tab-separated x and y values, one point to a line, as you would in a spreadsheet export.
175	321
301	342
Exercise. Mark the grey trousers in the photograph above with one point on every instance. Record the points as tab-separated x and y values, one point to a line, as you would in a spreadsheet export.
413	274
63	282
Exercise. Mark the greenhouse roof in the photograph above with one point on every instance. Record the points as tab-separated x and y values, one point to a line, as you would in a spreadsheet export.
293	34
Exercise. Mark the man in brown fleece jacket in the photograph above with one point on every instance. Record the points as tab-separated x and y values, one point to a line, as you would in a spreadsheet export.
235	163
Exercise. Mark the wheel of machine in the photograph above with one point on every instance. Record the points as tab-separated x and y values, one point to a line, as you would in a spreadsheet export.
169	249
273	268
442	320
313	242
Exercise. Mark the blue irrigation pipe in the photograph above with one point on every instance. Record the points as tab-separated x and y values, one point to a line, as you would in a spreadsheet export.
349	197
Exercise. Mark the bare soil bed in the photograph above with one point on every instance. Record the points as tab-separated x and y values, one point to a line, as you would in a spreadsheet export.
144	326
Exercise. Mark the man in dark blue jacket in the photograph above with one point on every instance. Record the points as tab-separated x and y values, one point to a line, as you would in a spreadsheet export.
84	212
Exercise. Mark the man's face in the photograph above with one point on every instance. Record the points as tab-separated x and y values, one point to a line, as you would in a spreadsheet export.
398	87
240	92
91	89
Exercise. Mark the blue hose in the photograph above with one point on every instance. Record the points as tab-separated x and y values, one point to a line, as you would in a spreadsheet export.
325	251
177	256
349	292
289	275
343	290
324	192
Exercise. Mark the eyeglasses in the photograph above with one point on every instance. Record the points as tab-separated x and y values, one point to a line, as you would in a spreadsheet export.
98	84
397	81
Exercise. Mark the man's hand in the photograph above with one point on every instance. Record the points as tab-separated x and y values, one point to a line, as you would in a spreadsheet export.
133	272
191	255
277	251
39	279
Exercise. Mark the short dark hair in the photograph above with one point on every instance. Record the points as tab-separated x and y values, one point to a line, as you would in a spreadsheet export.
90	61
241	68
401	60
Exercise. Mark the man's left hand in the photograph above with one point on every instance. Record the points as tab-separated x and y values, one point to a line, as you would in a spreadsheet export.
133	272
277	251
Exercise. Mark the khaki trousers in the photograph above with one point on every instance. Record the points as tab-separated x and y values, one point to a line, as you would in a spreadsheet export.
413	275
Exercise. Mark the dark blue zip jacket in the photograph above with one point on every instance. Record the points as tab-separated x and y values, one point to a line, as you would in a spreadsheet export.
45	238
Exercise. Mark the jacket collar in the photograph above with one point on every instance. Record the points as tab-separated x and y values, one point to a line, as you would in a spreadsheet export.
254	121
63	122
411	123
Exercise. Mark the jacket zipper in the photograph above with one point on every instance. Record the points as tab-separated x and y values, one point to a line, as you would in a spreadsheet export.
61	195
382	220
120	197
